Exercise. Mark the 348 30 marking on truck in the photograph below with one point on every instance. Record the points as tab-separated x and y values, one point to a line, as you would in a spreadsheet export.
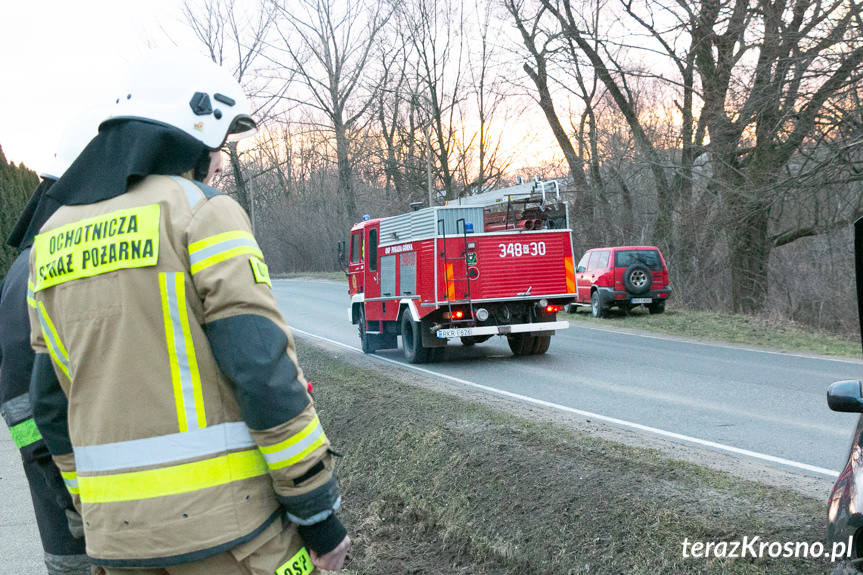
518	249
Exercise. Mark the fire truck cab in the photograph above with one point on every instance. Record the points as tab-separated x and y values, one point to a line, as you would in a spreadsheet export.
498	263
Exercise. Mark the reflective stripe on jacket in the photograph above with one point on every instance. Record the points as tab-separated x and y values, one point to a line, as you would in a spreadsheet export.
186	404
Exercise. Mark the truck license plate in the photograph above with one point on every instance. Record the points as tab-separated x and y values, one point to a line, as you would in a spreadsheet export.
455	332
641	300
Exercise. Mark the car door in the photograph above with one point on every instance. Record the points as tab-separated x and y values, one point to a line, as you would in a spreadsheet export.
582	278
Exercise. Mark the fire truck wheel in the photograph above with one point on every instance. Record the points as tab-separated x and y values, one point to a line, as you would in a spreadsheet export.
365	339
520	343
412	341
541	344
435	354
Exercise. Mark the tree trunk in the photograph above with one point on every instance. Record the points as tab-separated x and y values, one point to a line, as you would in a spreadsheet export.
749	252
345	171
237	170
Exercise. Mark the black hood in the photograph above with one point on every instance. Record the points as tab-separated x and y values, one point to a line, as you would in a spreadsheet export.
35	214
123	153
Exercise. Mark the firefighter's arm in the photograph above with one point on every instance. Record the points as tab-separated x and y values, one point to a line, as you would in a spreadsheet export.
255	350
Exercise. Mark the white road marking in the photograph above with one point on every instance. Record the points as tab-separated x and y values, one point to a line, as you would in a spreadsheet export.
741	347
606	419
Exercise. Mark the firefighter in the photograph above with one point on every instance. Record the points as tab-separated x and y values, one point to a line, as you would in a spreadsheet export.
64	551
165	382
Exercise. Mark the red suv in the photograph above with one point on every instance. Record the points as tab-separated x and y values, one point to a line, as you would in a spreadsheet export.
624	277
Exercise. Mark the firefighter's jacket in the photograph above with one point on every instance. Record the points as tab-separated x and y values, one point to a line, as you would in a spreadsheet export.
190	426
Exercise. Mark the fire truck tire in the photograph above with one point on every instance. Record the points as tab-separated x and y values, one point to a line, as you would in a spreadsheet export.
520	343
412	341
541	344
365	339
435	354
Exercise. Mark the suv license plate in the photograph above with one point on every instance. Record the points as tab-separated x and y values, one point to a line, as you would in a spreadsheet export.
641	300
455	332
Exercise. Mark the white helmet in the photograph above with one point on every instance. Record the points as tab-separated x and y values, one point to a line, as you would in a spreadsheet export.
76	136
189	92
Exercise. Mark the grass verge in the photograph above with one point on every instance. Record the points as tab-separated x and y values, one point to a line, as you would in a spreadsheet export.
732	328
437	484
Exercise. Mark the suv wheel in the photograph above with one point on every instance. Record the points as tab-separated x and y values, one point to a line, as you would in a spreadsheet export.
637	279
596	307
656	307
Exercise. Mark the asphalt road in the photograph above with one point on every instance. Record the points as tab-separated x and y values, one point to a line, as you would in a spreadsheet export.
765	402
769	403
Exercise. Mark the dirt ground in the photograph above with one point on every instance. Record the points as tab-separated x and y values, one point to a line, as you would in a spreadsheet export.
442	479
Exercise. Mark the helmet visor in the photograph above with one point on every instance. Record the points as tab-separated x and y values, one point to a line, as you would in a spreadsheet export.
242	127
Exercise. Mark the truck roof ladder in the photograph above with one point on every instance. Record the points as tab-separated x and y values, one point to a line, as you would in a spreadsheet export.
460	226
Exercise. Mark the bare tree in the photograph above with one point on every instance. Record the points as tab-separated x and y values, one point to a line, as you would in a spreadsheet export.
439	59
760	115
757	76
235	39
539	45
488	89
329	47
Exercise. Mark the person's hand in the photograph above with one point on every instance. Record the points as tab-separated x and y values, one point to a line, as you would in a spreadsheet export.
76	524
333	560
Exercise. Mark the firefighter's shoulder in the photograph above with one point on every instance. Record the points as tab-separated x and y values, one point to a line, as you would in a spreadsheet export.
196	191
208	191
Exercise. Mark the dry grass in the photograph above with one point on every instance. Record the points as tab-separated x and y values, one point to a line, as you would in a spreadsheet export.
434	484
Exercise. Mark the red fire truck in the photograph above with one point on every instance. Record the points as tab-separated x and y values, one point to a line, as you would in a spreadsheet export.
498	263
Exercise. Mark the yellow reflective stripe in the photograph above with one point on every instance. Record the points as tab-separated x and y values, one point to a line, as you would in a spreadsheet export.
172	352
296	447
172	480
185	376
119	240
30	301
195	374
220	247
70	478
52	340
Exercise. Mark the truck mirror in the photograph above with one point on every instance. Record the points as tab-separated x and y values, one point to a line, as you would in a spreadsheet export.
340	250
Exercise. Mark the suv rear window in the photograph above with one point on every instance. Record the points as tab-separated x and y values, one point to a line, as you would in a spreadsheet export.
649	258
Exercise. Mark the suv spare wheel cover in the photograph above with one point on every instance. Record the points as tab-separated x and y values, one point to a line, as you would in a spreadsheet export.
637	279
